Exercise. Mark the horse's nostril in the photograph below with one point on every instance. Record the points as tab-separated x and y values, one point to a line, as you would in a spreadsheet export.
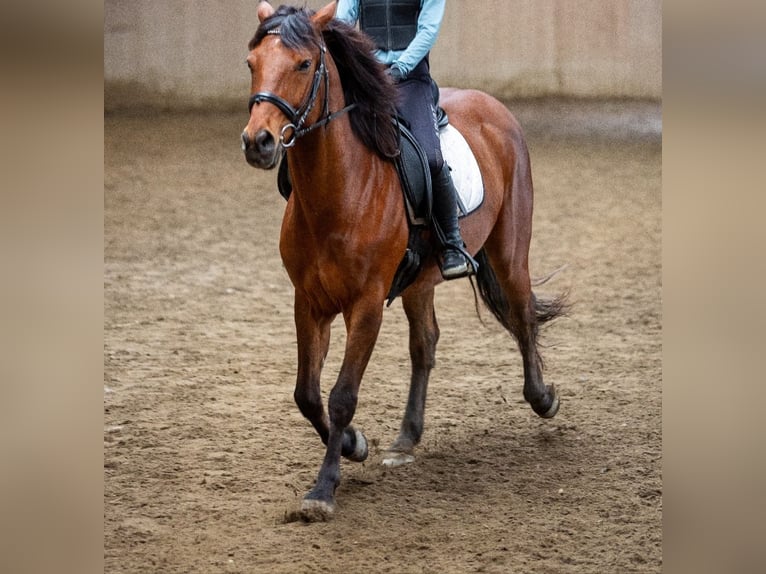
260	148
263	140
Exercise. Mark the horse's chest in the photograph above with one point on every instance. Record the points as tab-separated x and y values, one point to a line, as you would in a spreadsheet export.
336	262
325	271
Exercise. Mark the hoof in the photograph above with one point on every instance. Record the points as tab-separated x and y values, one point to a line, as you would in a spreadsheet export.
551	412
310	510
361	450
316	510
392	458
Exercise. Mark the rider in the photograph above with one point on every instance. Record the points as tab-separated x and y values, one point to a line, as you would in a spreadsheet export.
404	32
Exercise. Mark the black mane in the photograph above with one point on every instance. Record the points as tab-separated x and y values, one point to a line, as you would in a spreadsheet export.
363	78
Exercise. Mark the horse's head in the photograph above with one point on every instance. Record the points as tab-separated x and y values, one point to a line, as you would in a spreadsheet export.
287	68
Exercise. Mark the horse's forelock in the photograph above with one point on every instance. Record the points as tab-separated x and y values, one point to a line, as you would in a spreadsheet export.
294	24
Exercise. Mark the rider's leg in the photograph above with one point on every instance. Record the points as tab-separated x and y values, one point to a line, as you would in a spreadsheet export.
454	263
417	106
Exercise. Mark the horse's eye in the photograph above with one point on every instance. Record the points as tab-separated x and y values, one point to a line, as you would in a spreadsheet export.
304	65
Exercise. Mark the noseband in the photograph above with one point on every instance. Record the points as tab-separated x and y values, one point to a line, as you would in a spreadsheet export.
297	117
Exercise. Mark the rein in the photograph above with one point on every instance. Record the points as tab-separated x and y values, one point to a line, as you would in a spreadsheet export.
297	117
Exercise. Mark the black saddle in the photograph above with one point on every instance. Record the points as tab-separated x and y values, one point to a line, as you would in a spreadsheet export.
414	174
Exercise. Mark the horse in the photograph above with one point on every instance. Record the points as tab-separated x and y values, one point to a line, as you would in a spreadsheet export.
319	95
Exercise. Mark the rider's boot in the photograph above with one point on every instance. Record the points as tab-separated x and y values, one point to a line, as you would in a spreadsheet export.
454	263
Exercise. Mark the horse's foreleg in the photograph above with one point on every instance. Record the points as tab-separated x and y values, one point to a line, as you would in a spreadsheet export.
424	334
313	333
362	326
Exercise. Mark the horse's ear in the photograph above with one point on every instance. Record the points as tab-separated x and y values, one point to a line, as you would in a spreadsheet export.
323	16
264	10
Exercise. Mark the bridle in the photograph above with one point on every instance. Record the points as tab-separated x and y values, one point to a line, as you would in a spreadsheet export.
297	117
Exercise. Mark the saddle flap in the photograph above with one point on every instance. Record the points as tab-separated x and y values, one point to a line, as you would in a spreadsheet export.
415	177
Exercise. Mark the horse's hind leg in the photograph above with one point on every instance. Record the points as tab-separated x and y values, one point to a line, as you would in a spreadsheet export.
517	308
543	398
509	296
504	283
424	334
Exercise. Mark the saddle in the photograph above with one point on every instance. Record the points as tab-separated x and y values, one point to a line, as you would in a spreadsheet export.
415	179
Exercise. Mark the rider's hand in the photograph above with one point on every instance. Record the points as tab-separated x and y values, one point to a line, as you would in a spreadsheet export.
395	74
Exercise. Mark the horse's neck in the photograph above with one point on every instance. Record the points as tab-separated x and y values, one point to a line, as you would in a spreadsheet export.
327	165
324	171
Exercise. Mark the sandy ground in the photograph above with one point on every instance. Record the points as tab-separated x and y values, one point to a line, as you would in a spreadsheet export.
205	453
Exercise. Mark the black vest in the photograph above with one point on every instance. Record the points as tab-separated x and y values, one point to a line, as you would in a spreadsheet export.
392	24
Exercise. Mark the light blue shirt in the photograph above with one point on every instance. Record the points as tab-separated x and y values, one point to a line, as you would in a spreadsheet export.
429	22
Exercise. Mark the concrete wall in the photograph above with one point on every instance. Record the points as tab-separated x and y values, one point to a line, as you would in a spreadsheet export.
191	52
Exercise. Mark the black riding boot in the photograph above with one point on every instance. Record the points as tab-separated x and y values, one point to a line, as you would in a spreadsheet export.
454	262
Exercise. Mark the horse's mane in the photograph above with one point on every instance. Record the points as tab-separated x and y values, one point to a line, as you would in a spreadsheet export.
363	78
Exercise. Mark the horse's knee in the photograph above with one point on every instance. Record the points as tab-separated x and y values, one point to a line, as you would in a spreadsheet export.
342	405
309	402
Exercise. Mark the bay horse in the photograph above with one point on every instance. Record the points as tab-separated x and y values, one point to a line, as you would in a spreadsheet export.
319	95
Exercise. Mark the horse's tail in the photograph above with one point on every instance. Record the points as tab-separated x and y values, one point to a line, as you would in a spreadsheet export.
542	280
546	308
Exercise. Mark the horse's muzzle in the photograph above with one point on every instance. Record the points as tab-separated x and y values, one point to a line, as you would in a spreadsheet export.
261	151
